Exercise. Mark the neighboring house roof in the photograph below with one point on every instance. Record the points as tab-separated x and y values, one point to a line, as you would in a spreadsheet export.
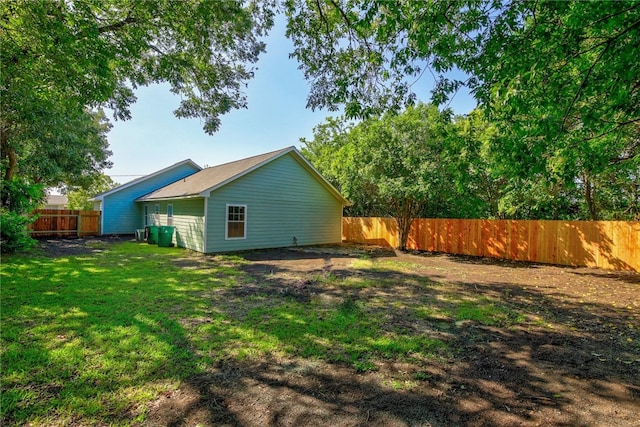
101	196
202	183
57	200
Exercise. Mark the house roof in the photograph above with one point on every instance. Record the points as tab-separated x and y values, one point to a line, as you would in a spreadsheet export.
57	199
202	183
101	196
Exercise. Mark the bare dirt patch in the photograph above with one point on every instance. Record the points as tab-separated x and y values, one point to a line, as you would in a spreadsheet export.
574	359
568	355
56	246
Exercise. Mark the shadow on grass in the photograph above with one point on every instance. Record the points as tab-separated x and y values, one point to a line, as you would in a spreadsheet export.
560	354
93	338
125	337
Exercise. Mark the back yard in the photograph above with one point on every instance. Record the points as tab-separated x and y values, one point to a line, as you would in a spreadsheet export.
109	332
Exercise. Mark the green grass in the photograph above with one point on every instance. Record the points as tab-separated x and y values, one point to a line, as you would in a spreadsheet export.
94	339
93	335
487	312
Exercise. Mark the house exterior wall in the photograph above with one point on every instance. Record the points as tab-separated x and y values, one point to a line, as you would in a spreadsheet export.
283	201
121	215
188	220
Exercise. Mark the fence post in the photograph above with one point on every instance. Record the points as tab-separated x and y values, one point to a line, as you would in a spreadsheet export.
79	222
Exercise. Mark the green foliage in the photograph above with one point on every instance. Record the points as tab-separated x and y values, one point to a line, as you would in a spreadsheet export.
393	165
18	200
79	197
539	58
88	53
560	82
463	173
55	144
61	62
84	342
420	163
14	235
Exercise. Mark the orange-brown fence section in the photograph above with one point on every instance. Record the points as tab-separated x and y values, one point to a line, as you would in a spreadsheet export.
611	245
65	223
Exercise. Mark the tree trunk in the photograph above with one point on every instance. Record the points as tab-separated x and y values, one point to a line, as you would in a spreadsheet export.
10	154
589	197
11	164
405	213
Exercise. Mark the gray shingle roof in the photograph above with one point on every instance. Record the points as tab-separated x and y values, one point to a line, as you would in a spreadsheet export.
211	178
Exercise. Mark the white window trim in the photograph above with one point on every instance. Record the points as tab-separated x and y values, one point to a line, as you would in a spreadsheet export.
156	214
226	221
170	217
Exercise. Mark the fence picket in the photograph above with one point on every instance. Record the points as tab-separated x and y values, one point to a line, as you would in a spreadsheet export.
65	223
604	244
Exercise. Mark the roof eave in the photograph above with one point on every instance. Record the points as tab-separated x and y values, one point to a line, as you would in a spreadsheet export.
100	197
207	192
154	199
322	179
300	157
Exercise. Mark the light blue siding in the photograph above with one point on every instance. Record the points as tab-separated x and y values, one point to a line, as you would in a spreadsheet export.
284	201
188	220
121	215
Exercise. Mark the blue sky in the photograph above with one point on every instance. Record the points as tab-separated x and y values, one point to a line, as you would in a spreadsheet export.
276	118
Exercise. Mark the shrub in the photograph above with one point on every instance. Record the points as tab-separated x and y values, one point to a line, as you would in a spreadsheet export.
14	235
19	198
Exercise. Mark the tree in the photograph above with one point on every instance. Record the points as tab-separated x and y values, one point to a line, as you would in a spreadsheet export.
560	80
58	145
475	167
61	58
393	165
365	55
62	61
80	196
16	213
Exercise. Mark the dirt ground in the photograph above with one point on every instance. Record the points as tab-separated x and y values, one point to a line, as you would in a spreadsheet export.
574	360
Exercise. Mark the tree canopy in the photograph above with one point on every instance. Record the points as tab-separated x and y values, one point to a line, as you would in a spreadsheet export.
79	197
559	80
402	166
62	60
558	83
566	61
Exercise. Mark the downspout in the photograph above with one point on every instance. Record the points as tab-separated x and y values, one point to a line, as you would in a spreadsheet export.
102	217
341	223
204	227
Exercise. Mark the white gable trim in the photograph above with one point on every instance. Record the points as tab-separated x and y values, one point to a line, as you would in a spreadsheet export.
304	162
307	165
146	177
205	193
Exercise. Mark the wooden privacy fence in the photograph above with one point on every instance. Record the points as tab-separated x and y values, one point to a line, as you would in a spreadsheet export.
65	223
611	245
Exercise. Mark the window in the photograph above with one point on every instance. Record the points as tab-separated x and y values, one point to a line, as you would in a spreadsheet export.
236	222
156	216
146	215
169	214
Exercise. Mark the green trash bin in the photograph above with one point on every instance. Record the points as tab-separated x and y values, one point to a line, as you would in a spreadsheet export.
165	236
152	238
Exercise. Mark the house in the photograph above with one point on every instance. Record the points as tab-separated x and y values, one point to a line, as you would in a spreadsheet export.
56	201
120	214
277	199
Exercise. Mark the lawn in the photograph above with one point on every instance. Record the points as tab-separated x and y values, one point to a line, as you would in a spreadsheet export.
132	334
